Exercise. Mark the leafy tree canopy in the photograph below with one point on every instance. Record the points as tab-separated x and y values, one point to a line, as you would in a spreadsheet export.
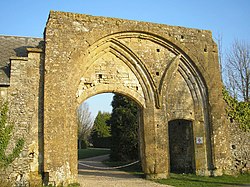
101	129
101	126
124	129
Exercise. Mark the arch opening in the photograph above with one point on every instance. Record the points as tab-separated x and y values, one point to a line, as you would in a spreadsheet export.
110	142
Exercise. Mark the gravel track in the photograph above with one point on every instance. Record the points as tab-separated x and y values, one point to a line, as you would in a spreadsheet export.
90	177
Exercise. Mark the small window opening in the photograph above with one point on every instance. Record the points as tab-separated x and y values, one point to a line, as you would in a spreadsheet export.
157	73
205	48
100	76
158	50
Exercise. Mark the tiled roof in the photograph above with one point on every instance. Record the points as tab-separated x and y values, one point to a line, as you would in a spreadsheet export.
11	46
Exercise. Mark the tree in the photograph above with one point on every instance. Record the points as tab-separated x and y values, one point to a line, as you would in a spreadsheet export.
85	124
124	129
238	71
101	128
5	137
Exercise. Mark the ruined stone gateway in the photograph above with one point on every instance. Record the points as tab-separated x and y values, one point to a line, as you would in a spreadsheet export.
172	73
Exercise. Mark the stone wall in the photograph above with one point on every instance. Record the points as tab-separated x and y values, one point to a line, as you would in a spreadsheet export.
240	152
23	99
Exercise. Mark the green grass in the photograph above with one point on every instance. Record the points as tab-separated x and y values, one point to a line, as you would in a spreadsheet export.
190	180
92	152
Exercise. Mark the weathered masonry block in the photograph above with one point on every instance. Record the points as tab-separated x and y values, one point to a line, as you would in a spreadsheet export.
171	72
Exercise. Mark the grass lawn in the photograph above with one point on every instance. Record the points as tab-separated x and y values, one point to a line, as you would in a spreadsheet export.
190	180
92	152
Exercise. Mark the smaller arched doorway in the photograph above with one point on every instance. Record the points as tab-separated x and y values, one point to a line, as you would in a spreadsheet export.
181	146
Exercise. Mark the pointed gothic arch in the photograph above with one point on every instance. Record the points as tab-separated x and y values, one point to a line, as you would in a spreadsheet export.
164	69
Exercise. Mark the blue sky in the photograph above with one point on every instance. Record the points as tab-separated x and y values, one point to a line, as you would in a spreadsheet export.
228	18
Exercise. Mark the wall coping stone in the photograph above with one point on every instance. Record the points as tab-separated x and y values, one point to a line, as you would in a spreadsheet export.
34	50
19	58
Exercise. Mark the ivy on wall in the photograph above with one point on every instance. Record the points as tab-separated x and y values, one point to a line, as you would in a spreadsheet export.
239	111
5	136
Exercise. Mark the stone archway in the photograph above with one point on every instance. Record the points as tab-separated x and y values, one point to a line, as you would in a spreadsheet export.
113	67
158	68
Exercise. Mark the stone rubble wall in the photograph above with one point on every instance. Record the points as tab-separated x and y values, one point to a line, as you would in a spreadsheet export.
23	99
240	149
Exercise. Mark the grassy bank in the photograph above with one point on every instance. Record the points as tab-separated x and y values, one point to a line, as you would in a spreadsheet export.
92	152
190	180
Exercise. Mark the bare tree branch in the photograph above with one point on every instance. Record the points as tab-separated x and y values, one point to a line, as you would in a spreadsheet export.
238	71
85	122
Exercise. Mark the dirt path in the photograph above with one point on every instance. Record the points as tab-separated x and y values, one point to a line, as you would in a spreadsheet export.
90	177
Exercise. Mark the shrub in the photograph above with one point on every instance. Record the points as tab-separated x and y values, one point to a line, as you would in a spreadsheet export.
5	136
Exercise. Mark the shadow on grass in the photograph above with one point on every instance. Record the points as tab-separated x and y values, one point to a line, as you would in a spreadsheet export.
92	152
